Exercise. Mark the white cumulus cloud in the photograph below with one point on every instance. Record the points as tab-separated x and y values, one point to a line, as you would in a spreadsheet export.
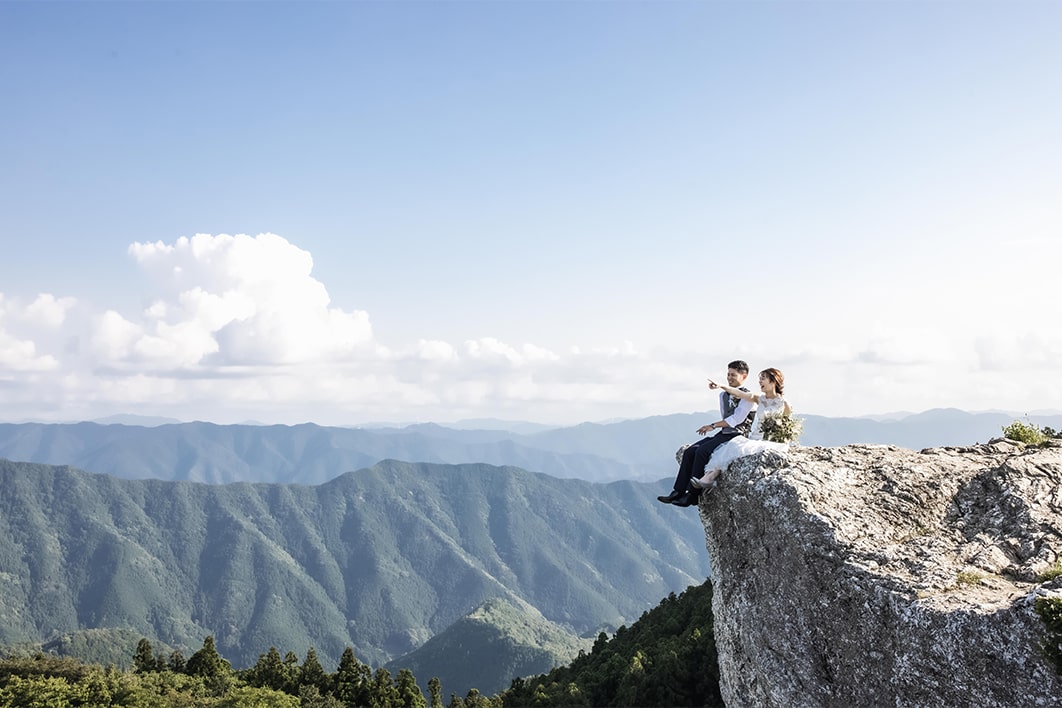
19	352
22	355
239	300
49	311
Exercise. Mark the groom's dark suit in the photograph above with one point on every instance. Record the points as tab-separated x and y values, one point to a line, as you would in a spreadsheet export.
738	414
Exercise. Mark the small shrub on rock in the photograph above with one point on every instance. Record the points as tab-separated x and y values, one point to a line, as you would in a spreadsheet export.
1050	574
1028	433
968	577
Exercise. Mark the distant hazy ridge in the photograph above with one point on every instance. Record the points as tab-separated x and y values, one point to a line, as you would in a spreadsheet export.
311	454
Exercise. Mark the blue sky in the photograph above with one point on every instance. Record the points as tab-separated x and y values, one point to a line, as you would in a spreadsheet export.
550	211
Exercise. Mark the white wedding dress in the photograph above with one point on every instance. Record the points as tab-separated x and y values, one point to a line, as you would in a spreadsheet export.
739	446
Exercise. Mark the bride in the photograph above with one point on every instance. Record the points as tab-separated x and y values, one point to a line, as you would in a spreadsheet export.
770	402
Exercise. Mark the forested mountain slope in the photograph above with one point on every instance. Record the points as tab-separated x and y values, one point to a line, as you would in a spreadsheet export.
380	559
667	658
490	647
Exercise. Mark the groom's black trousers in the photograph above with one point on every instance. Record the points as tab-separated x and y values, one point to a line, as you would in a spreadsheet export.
697	455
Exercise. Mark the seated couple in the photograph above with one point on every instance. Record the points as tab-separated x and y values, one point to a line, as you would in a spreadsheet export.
740	432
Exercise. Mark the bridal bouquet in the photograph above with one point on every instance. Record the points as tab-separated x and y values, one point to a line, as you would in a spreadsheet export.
781	427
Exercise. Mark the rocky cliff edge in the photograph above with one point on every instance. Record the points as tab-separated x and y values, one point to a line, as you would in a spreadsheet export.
874	575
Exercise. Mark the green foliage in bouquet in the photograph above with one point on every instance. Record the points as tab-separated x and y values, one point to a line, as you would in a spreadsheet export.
1028	433
781	427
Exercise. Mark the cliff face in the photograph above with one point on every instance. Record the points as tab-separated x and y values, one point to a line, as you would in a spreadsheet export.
874	575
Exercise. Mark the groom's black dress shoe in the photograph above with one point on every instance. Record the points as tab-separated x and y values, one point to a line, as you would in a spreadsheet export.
687	499
670	497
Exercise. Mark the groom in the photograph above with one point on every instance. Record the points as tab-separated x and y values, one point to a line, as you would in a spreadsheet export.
737	416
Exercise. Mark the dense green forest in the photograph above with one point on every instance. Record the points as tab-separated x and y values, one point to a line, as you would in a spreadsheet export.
207	680
667	657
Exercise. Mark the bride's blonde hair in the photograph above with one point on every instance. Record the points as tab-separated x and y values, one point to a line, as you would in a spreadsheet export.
776	377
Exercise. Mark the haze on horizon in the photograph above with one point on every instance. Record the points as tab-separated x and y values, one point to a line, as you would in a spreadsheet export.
553	212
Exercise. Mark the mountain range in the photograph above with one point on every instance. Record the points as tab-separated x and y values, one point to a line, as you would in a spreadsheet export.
311	454
505	548
381	559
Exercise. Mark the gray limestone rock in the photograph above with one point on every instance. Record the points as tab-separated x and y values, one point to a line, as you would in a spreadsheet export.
874	575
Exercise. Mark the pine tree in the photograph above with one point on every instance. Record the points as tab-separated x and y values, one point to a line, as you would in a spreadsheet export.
144	657
352	680
270	671
177	663
475	699
409	694
313	674
383	693
208	664
435	690
291	661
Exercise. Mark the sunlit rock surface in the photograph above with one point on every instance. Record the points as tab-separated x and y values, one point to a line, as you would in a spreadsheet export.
875	575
